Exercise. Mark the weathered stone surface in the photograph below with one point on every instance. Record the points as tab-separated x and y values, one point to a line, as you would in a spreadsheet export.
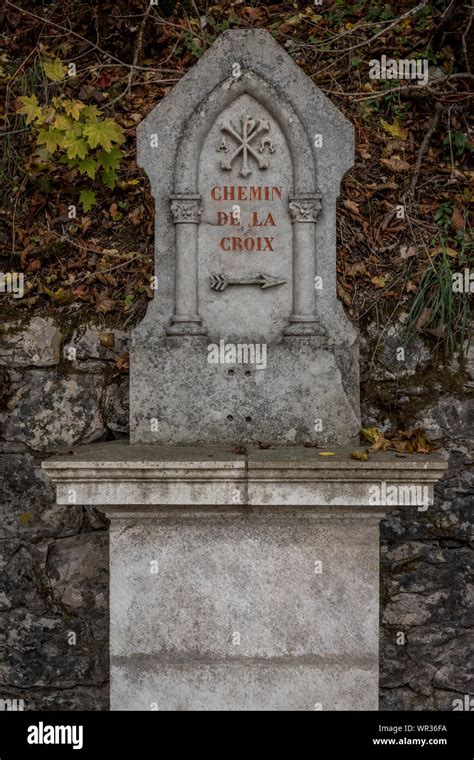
118	474
427	595
50	412
54	559
449	417
245	256
199	587
51	658
417	544
387	355
244	686
28	506
96	343
270	594
116	406
420	674
37	343
76	571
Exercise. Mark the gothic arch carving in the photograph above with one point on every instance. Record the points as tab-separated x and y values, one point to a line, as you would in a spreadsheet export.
304	204
195	131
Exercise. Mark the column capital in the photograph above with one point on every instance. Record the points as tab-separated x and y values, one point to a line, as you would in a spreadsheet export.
186	208
305	207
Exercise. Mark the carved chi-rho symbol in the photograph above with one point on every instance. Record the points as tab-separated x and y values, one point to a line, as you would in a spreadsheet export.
250	130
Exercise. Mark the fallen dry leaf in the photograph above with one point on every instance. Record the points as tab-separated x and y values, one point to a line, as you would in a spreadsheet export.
352	207
396	164
449	251
394	129
123	363
457	219
107	339
380	281
135	216
104	304
343	294
357	268
425	314
360	454
376	438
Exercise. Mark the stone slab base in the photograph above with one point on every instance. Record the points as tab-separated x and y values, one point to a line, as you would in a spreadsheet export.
242	581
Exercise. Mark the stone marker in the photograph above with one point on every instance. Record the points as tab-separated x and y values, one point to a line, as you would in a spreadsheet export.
245	333
244	577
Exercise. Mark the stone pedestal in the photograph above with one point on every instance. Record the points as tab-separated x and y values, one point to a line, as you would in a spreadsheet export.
243	581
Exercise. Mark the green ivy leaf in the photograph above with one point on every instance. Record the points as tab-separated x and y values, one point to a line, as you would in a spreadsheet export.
30	108
103	133
87	198
88	166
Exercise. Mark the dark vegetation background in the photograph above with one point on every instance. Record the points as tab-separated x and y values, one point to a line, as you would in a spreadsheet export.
71	141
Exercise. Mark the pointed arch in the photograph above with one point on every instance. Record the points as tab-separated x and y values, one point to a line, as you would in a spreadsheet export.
216	102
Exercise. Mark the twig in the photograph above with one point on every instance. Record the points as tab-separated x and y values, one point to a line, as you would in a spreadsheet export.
138	49
15	131
80	37
411	12
411	87
464	45
424	146
350	32
106	271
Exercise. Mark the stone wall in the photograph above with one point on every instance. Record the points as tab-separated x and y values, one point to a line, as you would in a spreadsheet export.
426	557
54	560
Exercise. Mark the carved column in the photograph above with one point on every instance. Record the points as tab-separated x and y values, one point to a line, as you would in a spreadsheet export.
304	210
186	212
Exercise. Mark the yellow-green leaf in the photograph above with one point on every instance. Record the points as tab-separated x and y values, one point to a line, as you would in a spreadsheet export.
54	70
109	179
30	108
380	280
394	129
62	122
103	133
87	199
360	455
25	517
59	295
50	138
88	166
73	108
75	147
110	160
90	113
370	434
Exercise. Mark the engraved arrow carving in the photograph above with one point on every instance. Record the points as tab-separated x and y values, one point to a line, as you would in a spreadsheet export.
219	282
